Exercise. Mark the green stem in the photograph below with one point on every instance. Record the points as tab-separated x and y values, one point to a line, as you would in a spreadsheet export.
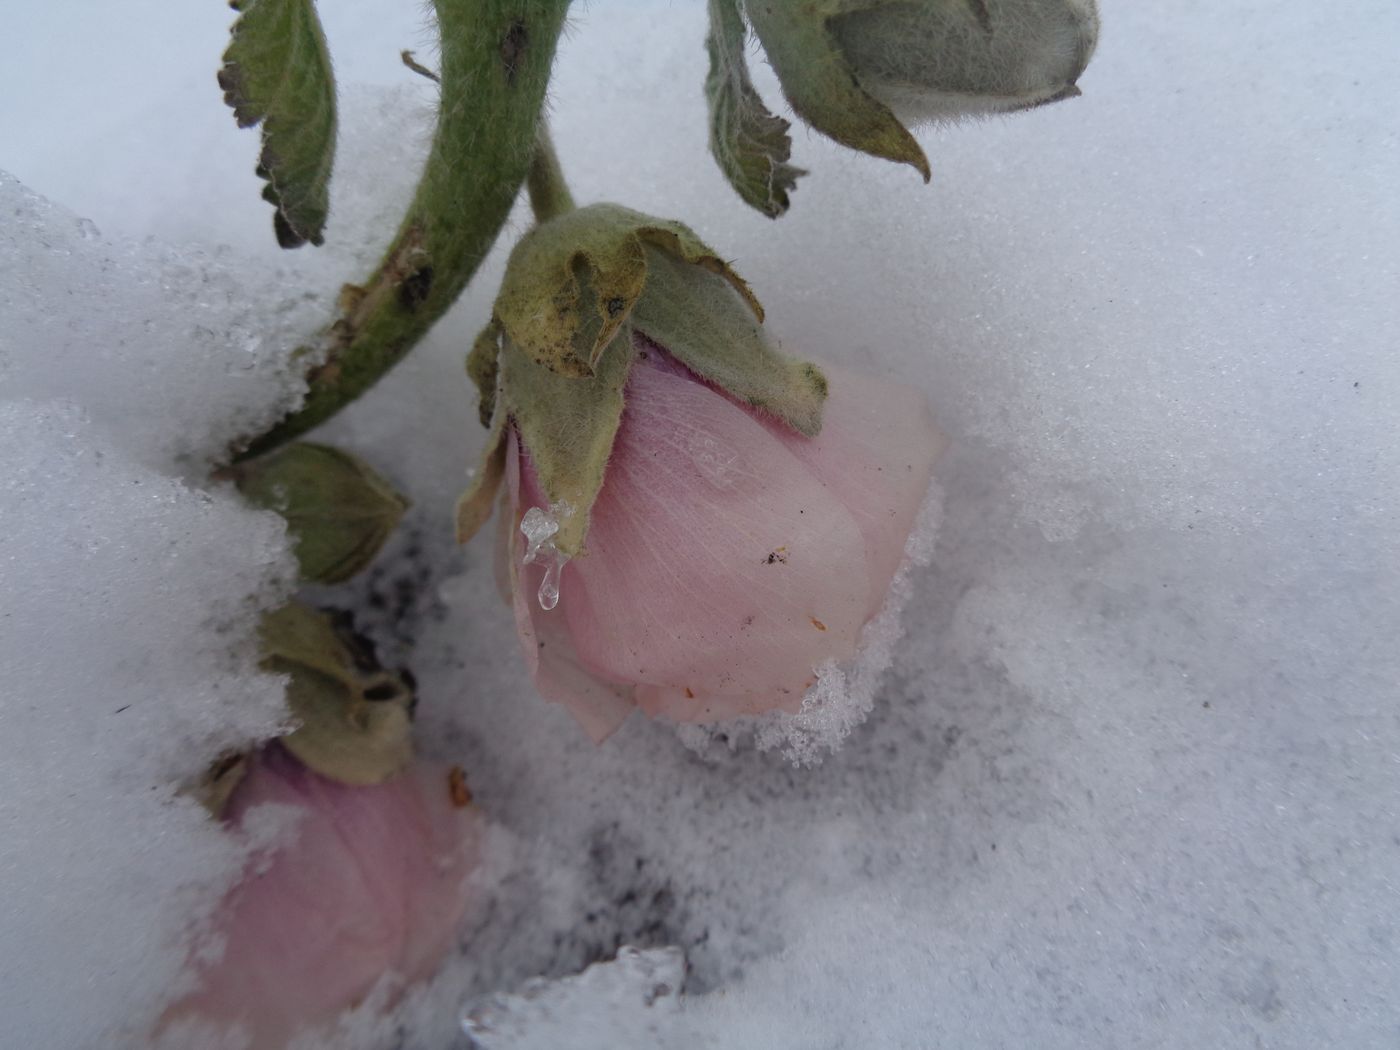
549	193
496	60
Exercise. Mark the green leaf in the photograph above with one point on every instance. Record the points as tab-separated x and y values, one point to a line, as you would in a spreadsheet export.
820	83
571	282
568	425
751	145
697	317
277	72
353	717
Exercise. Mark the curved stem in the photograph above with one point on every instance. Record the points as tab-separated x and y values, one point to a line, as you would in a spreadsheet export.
496	60
549	193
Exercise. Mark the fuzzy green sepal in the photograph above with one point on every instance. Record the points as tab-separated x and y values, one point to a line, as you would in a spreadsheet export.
352	717
571	282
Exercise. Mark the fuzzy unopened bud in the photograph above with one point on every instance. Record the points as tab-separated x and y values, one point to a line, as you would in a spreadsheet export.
940	60
557	355
859	70
339	512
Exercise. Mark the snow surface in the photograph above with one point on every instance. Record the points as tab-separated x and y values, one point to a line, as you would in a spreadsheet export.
1134	776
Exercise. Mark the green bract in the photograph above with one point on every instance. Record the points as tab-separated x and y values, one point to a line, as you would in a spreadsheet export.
555	359
855	69
572	281
698	319
567	423
820	83
339	512
353	717
277	72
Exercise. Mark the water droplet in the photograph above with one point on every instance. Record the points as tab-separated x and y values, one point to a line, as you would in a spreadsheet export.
549	587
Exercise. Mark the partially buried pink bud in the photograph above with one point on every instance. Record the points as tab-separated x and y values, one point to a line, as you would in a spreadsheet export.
372	883
727	556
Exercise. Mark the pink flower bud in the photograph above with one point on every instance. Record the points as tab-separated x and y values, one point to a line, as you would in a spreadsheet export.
727	556
373	882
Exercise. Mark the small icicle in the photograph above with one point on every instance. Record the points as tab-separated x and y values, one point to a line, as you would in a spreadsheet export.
539	528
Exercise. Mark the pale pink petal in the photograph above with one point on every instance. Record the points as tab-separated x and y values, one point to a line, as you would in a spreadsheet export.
600	707
715	560
374	882
506	529
727	556
875	453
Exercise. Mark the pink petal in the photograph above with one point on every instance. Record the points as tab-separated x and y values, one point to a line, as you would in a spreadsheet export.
727	556
600	707
716	561
374	882
680	706
875	454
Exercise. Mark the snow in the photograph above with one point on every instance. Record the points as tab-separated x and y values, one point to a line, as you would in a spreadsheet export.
128	609
139	302
1132	778
628	1001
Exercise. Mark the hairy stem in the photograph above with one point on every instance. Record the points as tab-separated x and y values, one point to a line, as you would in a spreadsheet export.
496	59
549	193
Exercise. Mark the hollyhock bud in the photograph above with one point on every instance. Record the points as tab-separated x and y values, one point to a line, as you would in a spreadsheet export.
944	59
854	69
372	883
701	523
338	510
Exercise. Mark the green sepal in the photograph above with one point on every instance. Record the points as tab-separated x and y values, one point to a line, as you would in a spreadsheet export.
820	83
353	718
338	510
568	425
215	786
475	505
482	369
277	71
699	320
751	145
571	282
